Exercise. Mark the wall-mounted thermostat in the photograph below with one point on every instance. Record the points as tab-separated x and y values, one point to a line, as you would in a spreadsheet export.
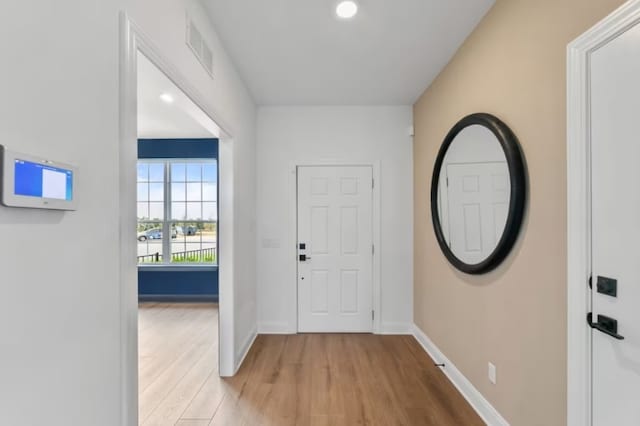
37	183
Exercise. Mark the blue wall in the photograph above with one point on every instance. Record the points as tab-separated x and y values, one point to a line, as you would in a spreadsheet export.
177	283
177	148
162	284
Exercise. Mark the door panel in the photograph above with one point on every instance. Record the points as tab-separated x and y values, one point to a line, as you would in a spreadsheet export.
319	291
615	113
319	241
335	225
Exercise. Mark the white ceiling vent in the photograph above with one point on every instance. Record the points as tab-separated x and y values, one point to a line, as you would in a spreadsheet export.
199	46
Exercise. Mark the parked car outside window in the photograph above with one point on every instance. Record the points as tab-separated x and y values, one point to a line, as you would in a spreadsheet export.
155	234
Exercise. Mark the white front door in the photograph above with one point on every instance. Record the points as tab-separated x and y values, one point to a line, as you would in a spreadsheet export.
477	202
335	249
615	162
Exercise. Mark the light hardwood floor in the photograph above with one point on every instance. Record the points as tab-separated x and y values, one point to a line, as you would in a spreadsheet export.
305	379
178	362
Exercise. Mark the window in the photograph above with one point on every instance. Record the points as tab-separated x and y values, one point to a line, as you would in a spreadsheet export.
177	211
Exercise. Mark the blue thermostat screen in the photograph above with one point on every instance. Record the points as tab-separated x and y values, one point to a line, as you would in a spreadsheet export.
42	181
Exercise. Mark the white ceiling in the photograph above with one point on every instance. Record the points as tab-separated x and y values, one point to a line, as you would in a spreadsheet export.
297	52
159	120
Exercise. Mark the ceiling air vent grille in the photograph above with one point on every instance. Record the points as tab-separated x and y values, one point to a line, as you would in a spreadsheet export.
199	47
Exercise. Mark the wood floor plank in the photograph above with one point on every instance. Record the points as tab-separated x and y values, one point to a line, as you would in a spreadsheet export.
303	379
209	397
342	379
166	343
192	422
153	395
178	339
170	409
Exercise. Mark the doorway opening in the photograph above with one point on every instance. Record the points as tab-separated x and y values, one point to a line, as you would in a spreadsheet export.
202	242
177	252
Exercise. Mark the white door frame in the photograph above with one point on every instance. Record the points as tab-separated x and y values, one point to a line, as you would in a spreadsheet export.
132	40
579	52
293	231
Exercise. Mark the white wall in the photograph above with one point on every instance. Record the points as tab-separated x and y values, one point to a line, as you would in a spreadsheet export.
59	310
365	134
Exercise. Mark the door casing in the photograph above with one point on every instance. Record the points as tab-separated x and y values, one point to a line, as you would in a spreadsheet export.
132	41
293	233
579	361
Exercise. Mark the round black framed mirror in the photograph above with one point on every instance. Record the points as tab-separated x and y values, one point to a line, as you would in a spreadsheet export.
478	193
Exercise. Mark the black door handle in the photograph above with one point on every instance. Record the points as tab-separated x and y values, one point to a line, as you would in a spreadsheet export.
605	325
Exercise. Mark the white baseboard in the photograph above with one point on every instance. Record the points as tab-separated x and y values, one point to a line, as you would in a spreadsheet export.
285	328
275	328
395	328
178	298
246	346
484	409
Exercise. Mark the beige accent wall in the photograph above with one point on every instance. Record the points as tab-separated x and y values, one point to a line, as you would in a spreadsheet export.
513	66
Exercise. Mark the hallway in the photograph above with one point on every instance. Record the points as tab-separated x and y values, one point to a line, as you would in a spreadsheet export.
304	379
341	379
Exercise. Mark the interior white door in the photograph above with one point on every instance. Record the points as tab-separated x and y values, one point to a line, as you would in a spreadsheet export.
615	119
478	202
335	242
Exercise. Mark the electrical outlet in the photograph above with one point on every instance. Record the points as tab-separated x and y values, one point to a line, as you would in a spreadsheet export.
492	373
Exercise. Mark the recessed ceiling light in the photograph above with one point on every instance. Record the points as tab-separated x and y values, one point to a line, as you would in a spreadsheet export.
167	98
347	9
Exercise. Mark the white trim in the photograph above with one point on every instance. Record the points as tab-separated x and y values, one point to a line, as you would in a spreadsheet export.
579	206
179	298
169	267
132	40
395	328
377	259
226	257
478	402
128	272
293	231
246	347
273	327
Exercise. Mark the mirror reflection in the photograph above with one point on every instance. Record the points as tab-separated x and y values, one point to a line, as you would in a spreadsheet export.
474	194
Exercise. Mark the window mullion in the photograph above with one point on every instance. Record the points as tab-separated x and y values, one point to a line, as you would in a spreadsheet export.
166	224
